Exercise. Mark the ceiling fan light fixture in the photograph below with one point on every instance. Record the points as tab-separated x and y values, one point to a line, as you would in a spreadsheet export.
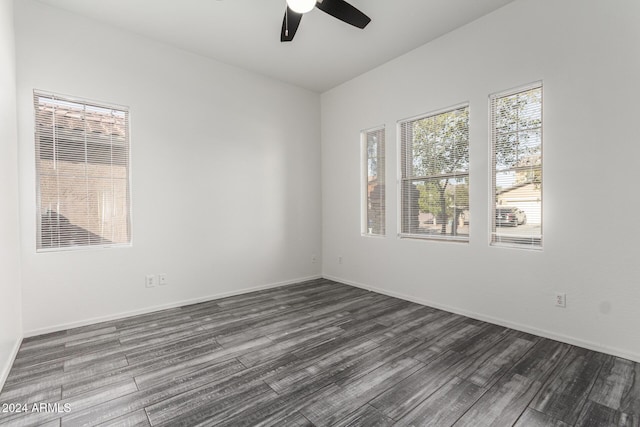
339	9
301	6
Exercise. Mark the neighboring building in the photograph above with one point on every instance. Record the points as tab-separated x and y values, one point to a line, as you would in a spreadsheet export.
525	196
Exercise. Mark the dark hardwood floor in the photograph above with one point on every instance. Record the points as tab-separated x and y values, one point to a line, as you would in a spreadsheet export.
314	354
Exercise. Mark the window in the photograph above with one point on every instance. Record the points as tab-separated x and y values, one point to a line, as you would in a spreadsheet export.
435	175
373	222
516	156
82	166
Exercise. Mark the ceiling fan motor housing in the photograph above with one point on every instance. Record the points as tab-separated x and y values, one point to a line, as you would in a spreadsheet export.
339	9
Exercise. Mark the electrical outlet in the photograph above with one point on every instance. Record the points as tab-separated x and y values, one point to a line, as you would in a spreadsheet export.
162	279
339	260
561	299
150	281
314	259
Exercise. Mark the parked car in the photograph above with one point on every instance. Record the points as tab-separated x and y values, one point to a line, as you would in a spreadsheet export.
510	216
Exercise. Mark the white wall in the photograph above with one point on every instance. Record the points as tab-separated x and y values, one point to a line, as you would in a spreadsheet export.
586	53
10	316
225	173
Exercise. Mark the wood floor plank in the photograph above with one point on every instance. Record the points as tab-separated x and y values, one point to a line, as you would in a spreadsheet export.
354	334
151	334
317	353
52	395
630	403
295	420
445	406
332	362
32	345
488	336
613	383
455	335
87	383
618	386
227	386
306	289
90	359
140	355
323	375
433	328
404	315
342	367
402	398
128	404
503	404
229	323
365	416
53	423
491	365
212	356
75	404
210	415
209	405
62	353
146	319
135	419
180	367
507	399
540	361
533	418
24	356
346	304
446	337
53	380
564	395
595	414
109	362
414	321
280	327
288	344
274	412
377	306
27	373
336	402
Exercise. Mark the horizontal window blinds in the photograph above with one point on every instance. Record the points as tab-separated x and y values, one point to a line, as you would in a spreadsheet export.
82	165
374	189
516	156
435	175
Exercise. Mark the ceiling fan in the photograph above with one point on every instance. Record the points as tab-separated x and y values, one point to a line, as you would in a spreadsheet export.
337	8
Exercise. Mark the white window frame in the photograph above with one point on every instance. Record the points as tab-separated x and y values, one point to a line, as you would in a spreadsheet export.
364	162
401	178
116	109
493	241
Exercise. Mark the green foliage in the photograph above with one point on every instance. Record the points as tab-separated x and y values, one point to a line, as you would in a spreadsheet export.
455	195
440	155
440	144
518	120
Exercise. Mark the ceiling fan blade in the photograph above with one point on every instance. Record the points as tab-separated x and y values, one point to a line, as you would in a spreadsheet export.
290	25
344	12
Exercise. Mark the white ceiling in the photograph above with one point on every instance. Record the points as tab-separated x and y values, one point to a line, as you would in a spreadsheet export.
246	33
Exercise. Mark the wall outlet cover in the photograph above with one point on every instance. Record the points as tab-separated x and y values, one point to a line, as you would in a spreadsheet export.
162	279
150	281
561	299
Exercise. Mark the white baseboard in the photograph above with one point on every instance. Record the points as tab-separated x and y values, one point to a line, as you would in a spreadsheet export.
4	370
497	321
146	310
